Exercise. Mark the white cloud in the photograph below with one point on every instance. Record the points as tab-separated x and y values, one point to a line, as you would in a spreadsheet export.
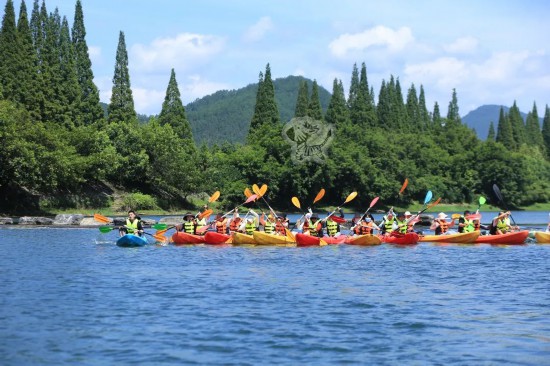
462	45
95	53
257	31
502	66
197	87
148	101
445	72
393	40
180	52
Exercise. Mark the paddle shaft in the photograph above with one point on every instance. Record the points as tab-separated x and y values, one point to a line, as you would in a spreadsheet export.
501	199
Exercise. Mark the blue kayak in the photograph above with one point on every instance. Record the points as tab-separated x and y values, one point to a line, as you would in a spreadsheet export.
131	240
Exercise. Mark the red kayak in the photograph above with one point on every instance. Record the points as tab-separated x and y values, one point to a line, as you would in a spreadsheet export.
181	237
340	239
517	237
400	239
212	237
303	240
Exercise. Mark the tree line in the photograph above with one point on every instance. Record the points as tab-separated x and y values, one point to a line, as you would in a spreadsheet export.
56	141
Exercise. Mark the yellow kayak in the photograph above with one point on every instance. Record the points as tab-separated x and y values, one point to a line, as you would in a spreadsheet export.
542	237
240	238
451	238
363	240
262	238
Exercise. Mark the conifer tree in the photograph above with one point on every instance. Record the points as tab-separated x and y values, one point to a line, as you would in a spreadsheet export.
302	102
517	125
266	110
504	131
453	113
413	111
383	109
69	91
354	86
90	110
436	116
424	115
337	111
546	131
256	117
173	111
533	134
491	134
314	109
400	114
9	55
362	111
121	108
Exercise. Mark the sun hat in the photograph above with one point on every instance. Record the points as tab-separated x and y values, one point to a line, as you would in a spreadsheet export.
188	214
408	213
442	216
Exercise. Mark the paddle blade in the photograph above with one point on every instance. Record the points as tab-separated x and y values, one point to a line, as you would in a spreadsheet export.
373	202
202	215
263	190
159	226
405	184
247	192
161	238
161	232
428	197
320	195
290	236
435	203
101	218
106	229
214	196
256	189
351	196
455	216
201	230
497	193
482	200
474	217
338	219
296	202
251	198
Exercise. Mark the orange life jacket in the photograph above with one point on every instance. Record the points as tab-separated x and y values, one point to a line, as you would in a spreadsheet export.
235	223
279	228
221	227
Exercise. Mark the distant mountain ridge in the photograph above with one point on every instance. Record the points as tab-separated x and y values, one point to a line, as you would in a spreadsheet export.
226	114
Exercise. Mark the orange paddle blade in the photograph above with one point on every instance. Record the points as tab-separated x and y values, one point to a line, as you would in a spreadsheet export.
205	213
161	232
296	202
320	195
256	189
435	203
263	190
214	196
160	237
405	184
247	192
101	218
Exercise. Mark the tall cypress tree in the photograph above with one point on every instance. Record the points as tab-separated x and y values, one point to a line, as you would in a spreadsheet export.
337	111
90	110
517	125
436	116
314	109
533	134
173	111
504	131
383	109
353	87
121	108
453	113
546	131
266	110
491	134
69	95
302	102
9	55
413	111
400	113
362	111
424	115
50	67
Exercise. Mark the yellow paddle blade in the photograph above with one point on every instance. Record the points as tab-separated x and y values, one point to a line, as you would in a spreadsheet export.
214	196
320	195
455	216
205	213
256	189
296	202
101	218
247	192
263	190
405	183
351	196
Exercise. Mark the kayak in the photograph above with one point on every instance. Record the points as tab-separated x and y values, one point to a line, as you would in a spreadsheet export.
214	238
451	238
240	238
304	240
181	237
400	239
542	237
517	237
340	239
263	238
131	240
363	240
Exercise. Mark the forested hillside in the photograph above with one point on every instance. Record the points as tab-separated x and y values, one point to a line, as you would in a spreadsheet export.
225	115
58	148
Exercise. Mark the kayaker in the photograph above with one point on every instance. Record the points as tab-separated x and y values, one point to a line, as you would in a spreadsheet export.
333	226
202	221
249	224
235	222
440	225
400	225
410	221
133	225
387	222
220	224
501	224
189	224
280	225
366	226
269	224
464	224
312	225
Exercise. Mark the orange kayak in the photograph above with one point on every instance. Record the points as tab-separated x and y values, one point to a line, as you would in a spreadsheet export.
451	238
214	238
517	237
400	239
184	238
363	240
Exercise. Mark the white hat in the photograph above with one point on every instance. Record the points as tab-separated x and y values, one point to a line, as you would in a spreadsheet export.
308	216
442	216
407	213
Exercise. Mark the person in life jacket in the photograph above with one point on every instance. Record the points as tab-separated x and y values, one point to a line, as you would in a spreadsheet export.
269	224
465	225
400	225
220	224
201	221
250	223
133	225
440	225
235	222
312	225
365	226
333	224
387	223
281	224
189	224
501	224
410	221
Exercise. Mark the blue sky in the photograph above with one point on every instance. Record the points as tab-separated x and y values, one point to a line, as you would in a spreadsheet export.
492	52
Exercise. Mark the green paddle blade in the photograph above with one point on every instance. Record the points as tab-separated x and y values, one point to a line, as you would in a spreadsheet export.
482	200
106	229
159	226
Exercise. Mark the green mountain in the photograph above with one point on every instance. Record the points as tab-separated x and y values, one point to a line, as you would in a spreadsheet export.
480	118
226	114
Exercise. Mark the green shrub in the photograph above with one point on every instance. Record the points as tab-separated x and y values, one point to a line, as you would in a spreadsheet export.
139	201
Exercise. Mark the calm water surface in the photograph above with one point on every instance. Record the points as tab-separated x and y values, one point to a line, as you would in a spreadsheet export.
71	297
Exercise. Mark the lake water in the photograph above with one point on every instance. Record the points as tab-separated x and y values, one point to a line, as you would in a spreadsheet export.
71	297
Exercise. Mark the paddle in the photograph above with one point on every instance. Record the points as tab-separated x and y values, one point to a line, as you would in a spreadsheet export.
260	192
372	203
248	200
320	195
427	199
157	236
405	184
501	199
350	197
163	228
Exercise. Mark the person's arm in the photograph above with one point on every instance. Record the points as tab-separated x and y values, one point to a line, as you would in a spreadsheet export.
452	223
434	225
